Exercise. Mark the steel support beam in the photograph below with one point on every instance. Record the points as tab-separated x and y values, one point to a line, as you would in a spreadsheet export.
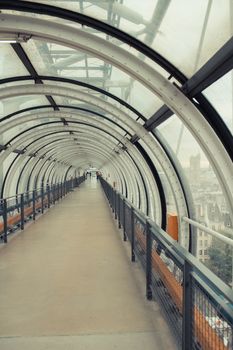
217	66
28	65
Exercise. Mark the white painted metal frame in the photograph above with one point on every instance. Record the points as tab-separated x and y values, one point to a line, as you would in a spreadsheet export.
79	39
151	185
192	118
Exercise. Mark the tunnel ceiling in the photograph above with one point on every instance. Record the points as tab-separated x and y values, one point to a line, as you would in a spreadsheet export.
128	87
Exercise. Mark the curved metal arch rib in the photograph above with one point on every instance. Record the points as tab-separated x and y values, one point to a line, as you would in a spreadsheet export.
122	116
112	144
53	115
77	83
44	9
59	138
33	143
180	104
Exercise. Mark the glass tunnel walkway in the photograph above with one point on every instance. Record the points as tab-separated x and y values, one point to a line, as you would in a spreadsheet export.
68	275
142	93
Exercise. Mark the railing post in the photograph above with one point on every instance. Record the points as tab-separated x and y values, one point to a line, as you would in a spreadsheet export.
22	211
34	205
132	235
54	194
187	307
148	261
27	198
112	200
108	189
42	199
115	203
48	195
124	234
58	192
5	220
119	210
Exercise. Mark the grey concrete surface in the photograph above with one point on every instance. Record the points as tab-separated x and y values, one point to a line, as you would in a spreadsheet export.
67	282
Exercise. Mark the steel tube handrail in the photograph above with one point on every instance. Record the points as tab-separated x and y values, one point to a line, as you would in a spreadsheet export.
214	233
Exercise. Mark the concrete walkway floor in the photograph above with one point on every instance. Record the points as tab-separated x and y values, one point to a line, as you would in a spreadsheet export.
67	282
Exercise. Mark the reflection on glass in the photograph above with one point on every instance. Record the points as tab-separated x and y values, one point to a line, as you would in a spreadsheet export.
220	94
160	24
210	205
13	104
56	60
10	64
170	201
215	254
206	190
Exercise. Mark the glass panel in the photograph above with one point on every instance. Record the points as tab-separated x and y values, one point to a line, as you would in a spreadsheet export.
217	255
25	126
170	202
220	94
61	61
210	205
186	34
10	64
13	104
75	103
160	24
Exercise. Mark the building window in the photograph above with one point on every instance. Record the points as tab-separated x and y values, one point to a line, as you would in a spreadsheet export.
205	252
200	252
206	243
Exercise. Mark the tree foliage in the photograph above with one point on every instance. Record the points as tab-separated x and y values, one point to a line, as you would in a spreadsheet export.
220	260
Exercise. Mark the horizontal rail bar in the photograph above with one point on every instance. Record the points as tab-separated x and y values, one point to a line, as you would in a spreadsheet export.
216	234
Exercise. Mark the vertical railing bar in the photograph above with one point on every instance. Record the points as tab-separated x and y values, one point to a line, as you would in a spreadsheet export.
22	211
119	210
48	195
5	220
187	307
34	205
132	235
42	199
124	233
148	261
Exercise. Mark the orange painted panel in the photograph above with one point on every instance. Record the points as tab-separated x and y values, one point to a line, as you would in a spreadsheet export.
207	336
172	226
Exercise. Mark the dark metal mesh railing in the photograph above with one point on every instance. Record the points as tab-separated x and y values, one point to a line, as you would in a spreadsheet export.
196	303
121	212
140	239
128	228
211	326
167	279
18	209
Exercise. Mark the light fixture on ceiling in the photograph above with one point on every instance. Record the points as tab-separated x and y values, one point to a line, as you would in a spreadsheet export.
14	38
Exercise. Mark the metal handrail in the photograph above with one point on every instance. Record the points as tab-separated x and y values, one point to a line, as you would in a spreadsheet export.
24	207
212	232
215	297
